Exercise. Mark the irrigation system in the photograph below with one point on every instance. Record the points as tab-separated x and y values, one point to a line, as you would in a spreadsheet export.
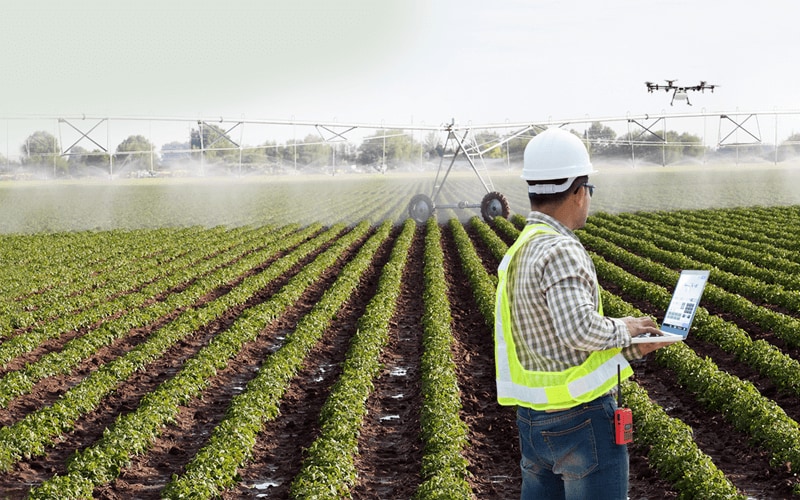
73	134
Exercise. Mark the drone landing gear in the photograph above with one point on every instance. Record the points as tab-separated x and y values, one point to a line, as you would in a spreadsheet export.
493	205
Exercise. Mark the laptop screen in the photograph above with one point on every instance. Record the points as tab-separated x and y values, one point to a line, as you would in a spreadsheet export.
683	306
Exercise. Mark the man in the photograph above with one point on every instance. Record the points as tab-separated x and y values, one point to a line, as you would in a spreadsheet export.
558	358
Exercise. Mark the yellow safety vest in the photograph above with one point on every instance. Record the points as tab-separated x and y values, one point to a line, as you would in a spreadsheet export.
546	390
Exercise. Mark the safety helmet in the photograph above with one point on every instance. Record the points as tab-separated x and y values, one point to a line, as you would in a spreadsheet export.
554	154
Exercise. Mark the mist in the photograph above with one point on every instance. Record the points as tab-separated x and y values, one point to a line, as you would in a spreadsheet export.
621	187
232	200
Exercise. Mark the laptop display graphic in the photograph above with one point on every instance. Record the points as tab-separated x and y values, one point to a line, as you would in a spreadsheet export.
682	308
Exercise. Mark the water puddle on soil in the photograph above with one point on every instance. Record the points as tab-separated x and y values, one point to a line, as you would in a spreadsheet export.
266	485
321	371
263	485
279	341
399	371
262	488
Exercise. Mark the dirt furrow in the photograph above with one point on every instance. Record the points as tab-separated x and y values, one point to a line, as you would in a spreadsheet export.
280	448
390	450
493	453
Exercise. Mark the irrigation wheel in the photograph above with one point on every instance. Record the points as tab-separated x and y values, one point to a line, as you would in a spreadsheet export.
493	205
420	208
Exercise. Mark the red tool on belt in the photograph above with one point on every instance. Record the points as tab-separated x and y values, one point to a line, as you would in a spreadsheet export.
623	418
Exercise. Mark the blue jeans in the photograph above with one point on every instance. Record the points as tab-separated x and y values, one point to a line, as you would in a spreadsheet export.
572	454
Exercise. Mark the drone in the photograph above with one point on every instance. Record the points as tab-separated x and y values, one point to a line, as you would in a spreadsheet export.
680	93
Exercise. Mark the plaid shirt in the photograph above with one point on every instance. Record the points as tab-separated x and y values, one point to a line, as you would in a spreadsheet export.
553	295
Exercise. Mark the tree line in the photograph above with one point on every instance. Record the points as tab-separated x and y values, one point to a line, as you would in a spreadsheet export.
384	150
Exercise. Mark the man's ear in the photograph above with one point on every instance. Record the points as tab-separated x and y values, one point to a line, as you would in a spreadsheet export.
579	196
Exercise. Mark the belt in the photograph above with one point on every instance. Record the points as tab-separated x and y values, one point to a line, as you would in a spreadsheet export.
612	393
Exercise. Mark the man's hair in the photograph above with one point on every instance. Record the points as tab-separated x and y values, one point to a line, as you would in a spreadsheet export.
554	199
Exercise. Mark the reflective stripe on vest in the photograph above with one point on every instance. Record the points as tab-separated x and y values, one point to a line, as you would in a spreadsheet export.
546	390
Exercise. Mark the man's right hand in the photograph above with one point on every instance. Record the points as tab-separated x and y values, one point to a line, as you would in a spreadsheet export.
641	326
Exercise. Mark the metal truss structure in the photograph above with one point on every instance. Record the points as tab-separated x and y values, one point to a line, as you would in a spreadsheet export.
73	134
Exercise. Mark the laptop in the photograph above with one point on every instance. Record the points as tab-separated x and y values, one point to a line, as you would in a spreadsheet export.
682	308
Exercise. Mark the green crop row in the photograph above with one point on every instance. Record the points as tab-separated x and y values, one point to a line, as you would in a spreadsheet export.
33	433
482	283
328	471
96	287
766	256
759	354
738	401
93	287
444	434
783	325
730	257
506	228
768	230
641	243
204	277
215	466
133	433
82	258
517	221
81	289
496	246
672	451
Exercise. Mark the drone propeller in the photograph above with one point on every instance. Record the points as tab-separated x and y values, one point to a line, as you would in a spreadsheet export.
680	93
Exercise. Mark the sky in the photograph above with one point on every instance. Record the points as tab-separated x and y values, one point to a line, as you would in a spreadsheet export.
420	62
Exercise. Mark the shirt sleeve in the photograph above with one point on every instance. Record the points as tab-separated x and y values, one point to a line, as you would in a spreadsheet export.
571	293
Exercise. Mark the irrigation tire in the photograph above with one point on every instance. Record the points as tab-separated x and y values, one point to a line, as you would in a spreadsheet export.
420	208
493	205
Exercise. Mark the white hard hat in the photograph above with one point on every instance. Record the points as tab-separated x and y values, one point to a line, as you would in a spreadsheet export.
555	154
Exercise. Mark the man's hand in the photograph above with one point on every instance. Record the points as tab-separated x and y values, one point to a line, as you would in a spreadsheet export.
640	326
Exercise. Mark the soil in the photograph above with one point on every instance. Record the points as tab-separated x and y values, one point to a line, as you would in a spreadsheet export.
390	451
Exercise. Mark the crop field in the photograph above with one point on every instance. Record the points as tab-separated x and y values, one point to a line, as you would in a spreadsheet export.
303	338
